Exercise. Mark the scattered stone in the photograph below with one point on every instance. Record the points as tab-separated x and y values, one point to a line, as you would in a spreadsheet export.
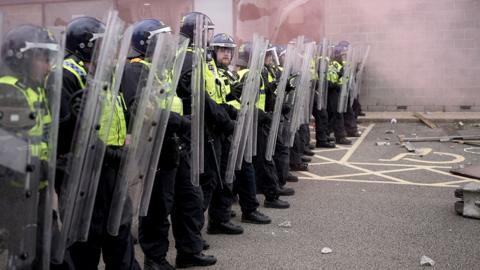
393	121
326	250
476	125
390	131
382	143
460	125
386	139
364	190
285	224
273	233
426	261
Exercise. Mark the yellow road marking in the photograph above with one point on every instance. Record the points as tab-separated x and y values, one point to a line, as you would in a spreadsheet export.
369	173
401	165
356	144
364	170
378	182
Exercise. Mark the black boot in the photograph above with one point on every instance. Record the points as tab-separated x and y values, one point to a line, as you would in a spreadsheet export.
325	144
190	260
306	159
354	133
255	217
150	264
292	178
223	228
308	152
286	191
343	141
276	203
302	167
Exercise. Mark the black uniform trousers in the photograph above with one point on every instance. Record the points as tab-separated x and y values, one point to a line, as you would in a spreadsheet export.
296	151
350	119
304	132
244	183
217	196
187	213
282	155
245	186
117	251
321	124
336	120
153	228
265	171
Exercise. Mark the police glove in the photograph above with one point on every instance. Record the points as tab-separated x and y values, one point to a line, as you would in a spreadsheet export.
235	92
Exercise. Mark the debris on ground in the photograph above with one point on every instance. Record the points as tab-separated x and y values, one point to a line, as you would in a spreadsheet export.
460	125
454	138
326	250
390	131
472	143
410	148
382	143
393	121
426	261
476	125
285	224
364	190
425	120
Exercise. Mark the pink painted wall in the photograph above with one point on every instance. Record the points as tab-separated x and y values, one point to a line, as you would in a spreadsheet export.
425	53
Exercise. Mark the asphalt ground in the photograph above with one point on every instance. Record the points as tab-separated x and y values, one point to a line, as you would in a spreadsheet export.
376	207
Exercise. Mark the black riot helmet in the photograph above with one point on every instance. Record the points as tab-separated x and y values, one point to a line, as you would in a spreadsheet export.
244	54
82	34
144	32
188	24
272	51
222	40
25	43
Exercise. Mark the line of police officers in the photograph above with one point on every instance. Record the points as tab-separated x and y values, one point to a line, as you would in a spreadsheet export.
174	198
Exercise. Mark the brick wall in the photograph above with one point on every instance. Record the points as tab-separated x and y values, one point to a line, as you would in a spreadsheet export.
425	54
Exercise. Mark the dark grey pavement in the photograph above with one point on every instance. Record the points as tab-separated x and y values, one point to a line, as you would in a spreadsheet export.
374	207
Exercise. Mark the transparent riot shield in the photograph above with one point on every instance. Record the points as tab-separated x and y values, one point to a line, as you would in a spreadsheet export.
198	98
347	71
48	197
359	72
322	76
277	112
90	136
156	88
246	115
28	126
352	81
302	88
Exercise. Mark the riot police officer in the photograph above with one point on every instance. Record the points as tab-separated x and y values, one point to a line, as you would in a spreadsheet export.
245	183
118	251
27	130
265	170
